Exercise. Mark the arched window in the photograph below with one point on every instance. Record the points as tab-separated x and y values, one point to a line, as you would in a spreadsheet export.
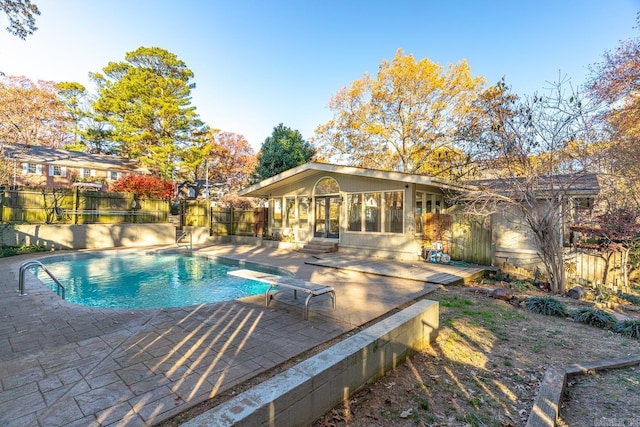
327	186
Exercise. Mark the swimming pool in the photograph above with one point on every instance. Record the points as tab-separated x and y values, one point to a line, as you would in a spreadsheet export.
147	280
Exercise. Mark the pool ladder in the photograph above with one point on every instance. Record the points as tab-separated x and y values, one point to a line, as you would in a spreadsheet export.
23	269
182	236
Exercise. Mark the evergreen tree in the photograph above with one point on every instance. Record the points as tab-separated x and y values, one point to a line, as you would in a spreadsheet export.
283	150
146	103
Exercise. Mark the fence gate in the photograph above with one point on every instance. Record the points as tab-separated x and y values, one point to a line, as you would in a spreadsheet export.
261	220
238	222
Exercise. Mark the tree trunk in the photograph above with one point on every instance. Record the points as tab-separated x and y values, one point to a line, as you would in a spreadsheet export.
607	266
624	264
544	221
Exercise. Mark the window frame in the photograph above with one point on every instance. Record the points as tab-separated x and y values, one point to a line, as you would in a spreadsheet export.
277	209
290	213
29	168
378	223
303	202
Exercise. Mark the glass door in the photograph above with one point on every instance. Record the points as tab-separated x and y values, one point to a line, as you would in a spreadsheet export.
333	217
327	217
321	217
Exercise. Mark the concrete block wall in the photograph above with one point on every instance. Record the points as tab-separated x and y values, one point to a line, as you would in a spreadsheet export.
310	389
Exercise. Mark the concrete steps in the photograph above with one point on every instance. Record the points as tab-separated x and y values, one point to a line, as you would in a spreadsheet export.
319	247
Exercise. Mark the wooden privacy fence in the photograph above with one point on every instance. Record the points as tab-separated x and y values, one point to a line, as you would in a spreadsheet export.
464	237
75	206
224	221
591	267
195	213
238	222
471	238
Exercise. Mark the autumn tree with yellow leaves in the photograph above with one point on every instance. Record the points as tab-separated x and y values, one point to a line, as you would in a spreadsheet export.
31	113
414	116
615	82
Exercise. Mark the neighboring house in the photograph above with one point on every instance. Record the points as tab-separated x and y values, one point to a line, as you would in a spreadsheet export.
200	189
380	213
39	166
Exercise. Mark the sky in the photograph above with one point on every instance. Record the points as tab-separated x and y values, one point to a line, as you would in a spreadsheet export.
258	63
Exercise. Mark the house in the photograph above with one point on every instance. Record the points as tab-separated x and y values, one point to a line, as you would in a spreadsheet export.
364	211
39	166
200	189
512	239
388	214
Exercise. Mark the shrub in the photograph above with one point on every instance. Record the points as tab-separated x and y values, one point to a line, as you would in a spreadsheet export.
7	251
232	200
593	317
547	305
633	299
629	328
519	285
144	186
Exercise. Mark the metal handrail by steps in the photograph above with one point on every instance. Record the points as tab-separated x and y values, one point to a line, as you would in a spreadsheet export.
182	236
29	264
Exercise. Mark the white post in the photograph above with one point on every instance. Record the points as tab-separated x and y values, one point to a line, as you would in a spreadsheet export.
206	180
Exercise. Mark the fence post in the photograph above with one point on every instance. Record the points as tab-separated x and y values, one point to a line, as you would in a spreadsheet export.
76	204
234	223
4	197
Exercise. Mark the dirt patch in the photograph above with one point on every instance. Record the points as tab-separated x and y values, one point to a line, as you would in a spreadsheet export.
614	394
485	368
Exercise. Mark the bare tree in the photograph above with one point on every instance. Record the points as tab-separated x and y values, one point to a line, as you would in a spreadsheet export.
22	16
531	157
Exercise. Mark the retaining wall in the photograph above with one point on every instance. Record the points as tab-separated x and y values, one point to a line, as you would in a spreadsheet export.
305	392
88	236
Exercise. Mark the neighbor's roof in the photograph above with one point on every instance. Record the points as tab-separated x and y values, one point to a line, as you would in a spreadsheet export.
263	188
57	156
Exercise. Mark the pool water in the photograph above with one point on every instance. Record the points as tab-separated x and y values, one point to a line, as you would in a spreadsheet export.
147	280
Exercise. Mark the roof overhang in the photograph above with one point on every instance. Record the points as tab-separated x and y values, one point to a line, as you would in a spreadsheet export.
87	184
264	188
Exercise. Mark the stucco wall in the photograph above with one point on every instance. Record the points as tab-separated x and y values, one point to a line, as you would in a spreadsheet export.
514	242
88	236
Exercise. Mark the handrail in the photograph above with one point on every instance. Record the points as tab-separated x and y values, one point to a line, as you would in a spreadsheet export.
33	263
182	236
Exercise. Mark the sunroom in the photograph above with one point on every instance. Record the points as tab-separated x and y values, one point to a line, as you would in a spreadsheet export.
364	211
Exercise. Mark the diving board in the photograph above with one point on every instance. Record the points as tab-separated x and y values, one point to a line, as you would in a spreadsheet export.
313	289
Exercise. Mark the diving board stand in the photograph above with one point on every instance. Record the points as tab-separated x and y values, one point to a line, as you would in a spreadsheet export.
313	289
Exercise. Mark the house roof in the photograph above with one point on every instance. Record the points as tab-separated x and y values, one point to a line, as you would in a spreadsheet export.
201	184
57	156
263	188
577	184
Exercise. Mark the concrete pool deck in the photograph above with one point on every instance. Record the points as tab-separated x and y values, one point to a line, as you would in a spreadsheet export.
67	365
